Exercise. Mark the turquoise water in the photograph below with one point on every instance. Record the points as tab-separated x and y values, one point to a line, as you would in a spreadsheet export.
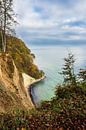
49	58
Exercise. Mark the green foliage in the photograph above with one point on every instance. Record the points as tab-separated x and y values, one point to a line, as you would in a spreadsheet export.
82	75
22	57
67	94
69	91
68	70
69	103
66	110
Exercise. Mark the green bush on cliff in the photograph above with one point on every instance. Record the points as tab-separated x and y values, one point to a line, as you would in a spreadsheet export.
22	57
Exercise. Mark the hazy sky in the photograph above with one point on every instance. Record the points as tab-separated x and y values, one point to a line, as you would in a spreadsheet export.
55	19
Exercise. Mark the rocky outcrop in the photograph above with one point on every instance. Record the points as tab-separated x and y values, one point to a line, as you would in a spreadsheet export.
13	94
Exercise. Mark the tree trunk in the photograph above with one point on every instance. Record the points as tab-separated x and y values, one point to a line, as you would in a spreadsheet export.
4	34
2	42
4	48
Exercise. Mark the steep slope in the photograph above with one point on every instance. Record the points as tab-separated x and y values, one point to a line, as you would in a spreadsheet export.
13	95
23	57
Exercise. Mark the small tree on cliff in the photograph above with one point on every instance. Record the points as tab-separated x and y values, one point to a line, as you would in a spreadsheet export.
68	70
82	75
6	20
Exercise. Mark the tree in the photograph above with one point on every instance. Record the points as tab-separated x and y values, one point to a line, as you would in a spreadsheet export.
1	33
7	19
82	75
68	70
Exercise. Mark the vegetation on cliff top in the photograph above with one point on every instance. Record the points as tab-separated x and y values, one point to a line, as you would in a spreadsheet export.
22	57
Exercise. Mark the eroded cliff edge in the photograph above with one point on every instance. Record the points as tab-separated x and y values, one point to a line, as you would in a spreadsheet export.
13	95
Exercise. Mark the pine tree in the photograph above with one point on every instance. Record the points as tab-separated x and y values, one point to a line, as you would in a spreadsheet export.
68	70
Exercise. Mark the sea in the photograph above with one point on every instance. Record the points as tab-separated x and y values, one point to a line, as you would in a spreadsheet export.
50	59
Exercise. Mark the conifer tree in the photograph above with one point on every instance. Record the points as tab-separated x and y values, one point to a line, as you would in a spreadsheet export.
68	70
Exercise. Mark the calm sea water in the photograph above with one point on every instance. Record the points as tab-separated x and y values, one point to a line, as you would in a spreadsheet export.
49	58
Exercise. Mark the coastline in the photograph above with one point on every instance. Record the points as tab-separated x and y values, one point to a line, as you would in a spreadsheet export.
30	87
28	82
38	80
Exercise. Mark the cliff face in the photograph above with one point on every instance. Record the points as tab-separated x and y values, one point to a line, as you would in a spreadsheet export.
13	95
16	71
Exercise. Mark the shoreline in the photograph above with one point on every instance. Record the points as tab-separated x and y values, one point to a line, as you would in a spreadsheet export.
28	84
30	87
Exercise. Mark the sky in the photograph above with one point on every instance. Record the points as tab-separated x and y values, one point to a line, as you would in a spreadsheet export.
51	19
